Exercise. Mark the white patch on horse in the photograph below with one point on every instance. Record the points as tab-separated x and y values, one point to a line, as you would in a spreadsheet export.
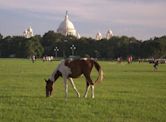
84	59
63	69
53	74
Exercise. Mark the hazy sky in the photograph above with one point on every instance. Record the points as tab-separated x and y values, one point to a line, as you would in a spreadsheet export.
139	18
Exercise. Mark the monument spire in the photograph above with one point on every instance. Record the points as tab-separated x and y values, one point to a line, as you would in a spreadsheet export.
66	16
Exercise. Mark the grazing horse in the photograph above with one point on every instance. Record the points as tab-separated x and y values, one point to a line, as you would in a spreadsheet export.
73	68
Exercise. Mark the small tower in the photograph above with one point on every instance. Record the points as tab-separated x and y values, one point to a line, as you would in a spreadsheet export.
98	36
109	34
28	33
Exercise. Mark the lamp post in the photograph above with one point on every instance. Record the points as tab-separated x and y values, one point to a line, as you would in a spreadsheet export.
72	49
56	51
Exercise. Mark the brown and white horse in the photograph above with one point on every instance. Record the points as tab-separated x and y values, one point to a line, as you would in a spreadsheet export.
73	68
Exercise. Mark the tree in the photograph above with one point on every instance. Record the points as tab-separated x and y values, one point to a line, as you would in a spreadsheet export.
49	41
33	47
6	47
1	37
18	46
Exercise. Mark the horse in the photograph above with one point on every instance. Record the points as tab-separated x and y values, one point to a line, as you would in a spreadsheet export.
73	68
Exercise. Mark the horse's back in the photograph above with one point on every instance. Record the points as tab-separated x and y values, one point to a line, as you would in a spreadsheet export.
79	66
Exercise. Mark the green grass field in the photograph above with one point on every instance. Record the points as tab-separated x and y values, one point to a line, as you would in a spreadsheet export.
129	93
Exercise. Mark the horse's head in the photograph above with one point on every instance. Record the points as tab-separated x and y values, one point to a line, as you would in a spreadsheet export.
49	87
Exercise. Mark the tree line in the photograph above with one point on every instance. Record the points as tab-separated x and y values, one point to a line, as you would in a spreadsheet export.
21	47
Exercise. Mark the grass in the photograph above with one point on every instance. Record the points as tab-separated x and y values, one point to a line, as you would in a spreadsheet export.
129	93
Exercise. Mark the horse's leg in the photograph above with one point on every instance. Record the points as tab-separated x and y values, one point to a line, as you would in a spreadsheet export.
92	87
66	86
87	89
74	87
92	91
89	82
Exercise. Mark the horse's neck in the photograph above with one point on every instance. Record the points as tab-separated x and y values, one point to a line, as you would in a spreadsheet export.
52	77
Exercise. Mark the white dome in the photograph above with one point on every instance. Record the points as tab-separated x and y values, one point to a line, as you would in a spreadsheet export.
109	34
28	32
66	27
30	29
98	36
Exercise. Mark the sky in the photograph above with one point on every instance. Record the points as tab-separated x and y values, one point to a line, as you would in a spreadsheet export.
142	19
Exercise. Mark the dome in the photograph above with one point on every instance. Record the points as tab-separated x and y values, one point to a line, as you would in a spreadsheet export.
66	27
109	34
98	36
28	32
30	29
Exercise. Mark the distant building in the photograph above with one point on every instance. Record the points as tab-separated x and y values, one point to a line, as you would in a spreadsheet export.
66	27
28	32
109	34
98	36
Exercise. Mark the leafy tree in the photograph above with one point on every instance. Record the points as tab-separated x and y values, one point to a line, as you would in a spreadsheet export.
33	47
117	46
1	37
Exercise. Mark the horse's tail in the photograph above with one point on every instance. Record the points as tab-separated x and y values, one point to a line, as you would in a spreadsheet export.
98	68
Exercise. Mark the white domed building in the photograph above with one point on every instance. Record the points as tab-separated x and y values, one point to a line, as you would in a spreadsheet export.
28	33
66	27
98	36
109	34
